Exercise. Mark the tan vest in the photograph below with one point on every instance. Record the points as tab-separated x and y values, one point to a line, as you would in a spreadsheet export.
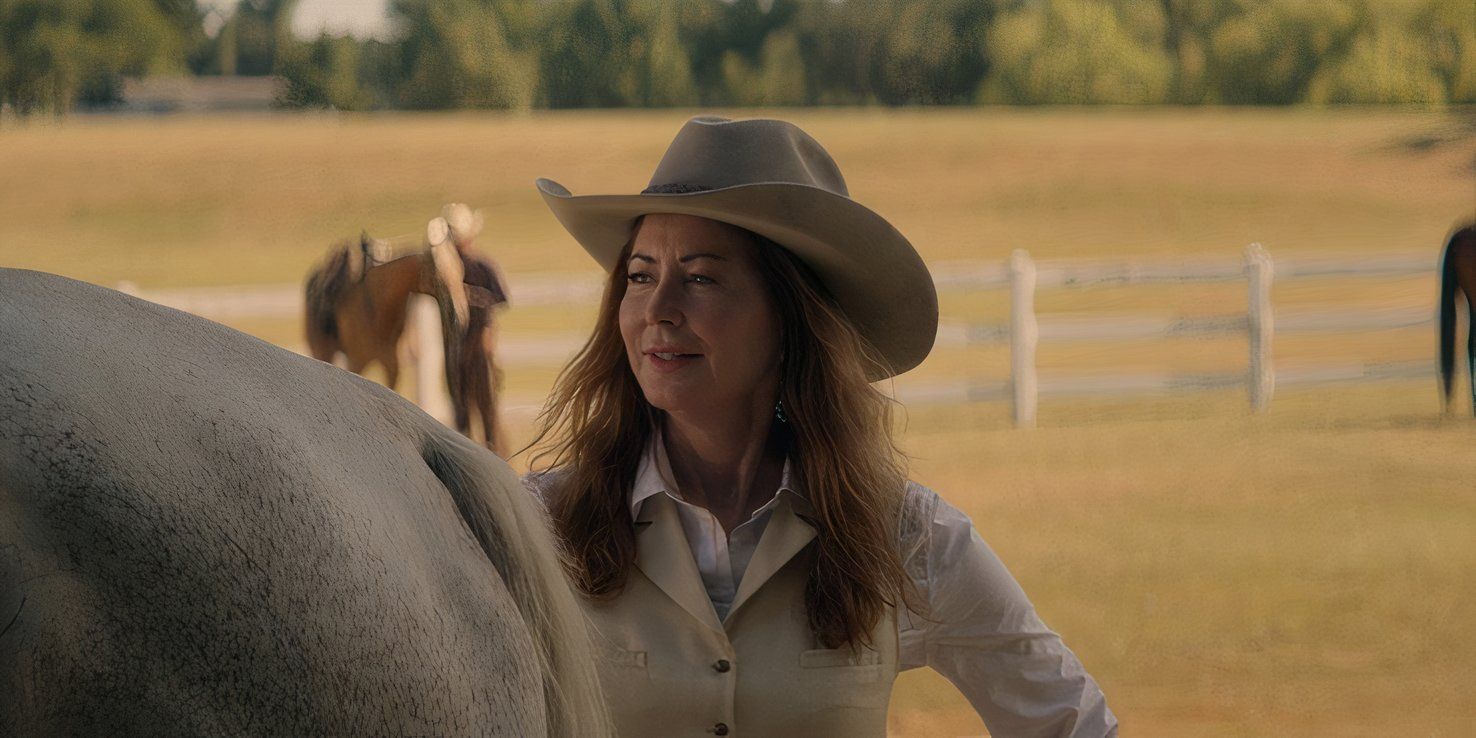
669	668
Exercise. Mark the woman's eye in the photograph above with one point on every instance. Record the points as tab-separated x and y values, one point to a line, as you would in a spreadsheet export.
701	279
638	277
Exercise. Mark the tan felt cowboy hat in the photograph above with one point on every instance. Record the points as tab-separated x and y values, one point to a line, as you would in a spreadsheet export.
769	177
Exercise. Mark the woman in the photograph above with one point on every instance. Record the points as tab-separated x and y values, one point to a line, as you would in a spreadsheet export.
721	472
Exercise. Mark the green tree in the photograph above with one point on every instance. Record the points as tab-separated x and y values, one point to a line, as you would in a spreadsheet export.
1450	26
1385	64
781	74
590	55
187	20
1273	51
1188	26
465	53
775	80
326	73
1072	52
249	42
668	70
57	53
919	55
842	43
725	44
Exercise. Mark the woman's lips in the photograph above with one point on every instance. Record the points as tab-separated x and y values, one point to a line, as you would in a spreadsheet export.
670	361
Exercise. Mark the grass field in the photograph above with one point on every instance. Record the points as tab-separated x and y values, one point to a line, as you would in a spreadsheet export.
1304	572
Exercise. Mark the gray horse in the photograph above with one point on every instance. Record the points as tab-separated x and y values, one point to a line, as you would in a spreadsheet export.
201	533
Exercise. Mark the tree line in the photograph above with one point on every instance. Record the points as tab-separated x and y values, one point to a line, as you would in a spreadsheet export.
525	54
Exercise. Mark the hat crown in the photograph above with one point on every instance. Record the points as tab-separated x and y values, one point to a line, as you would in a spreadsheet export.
714	153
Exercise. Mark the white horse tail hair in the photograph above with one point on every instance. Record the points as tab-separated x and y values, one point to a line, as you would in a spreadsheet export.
513	530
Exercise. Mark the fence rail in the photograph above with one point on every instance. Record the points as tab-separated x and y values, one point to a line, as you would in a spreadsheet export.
557	288
286	300
1025	329
975	275
1259	324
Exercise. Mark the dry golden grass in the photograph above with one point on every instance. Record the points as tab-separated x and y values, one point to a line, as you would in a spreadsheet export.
1301	573
1305	572
222	201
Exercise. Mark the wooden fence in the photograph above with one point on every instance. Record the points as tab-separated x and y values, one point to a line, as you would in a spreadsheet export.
1259	324
1023	277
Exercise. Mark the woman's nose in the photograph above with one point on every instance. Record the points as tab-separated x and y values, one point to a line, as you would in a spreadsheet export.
665	303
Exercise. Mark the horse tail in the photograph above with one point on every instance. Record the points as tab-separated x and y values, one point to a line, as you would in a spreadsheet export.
514	532
324	285
1448	291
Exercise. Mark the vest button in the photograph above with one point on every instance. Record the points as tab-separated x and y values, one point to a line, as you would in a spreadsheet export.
720	728
722	666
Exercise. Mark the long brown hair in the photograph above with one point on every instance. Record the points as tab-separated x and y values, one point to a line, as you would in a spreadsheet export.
838	436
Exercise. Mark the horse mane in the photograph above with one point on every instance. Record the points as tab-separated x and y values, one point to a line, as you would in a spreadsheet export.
513	531
341	268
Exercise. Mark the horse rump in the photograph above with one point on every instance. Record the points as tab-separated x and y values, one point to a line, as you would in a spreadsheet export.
202	534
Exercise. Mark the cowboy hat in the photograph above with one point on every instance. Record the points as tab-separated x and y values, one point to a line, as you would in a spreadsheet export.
771	178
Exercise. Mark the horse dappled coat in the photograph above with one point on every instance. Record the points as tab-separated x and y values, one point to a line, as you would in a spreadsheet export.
201	533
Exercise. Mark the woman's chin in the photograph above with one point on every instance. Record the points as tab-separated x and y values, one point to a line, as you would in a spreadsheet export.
687	401
671	406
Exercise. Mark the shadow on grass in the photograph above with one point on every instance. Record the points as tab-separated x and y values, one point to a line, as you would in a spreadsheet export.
1454	130
1405	421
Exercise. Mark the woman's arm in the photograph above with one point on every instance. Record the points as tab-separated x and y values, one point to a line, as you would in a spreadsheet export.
983	635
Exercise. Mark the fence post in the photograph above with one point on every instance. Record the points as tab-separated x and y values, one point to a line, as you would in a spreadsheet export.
430	358
1262	379
1024	334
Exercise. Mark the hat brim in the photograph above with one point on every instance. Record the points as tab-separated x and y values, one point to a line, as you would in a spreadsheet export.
869	267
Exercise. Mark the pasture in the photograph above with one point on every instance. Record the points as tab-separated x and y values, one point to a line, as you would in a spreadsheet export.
1302	572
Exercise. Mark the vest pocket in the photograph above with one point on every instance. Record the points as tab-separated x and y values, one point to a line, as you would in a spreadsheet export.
823	658
621	657
835	674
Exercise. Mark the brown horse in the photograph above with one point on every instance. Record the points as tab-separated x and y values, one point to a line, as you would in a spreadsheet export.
357	307
1457	275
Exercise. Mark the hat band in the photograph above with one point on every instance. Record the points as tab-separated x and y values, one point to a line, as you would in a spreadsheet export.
674	189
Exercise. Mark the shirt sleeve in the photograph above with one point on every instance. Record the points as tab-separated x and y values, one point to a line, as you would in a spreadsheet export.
983	635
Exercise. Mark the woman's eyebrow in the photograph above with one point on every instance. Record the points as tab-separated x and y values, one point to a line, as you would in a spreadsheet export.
702	255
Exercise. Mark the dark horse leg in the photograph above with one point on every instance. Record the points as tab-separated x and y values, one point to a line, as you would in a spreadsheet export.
488	381
496	434
479	393
1471	344
1457	279
457	383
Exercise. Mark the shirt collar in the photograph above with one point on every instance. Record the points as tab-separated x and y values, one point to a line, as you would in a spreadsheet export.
654	476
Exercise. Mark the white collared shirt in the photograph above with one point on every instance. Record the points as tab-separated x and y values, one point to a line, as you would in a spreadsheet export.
982	633
721	557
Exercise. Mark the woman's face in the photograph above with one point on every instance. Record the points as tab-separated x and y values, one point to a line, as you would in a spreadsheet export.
700	330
